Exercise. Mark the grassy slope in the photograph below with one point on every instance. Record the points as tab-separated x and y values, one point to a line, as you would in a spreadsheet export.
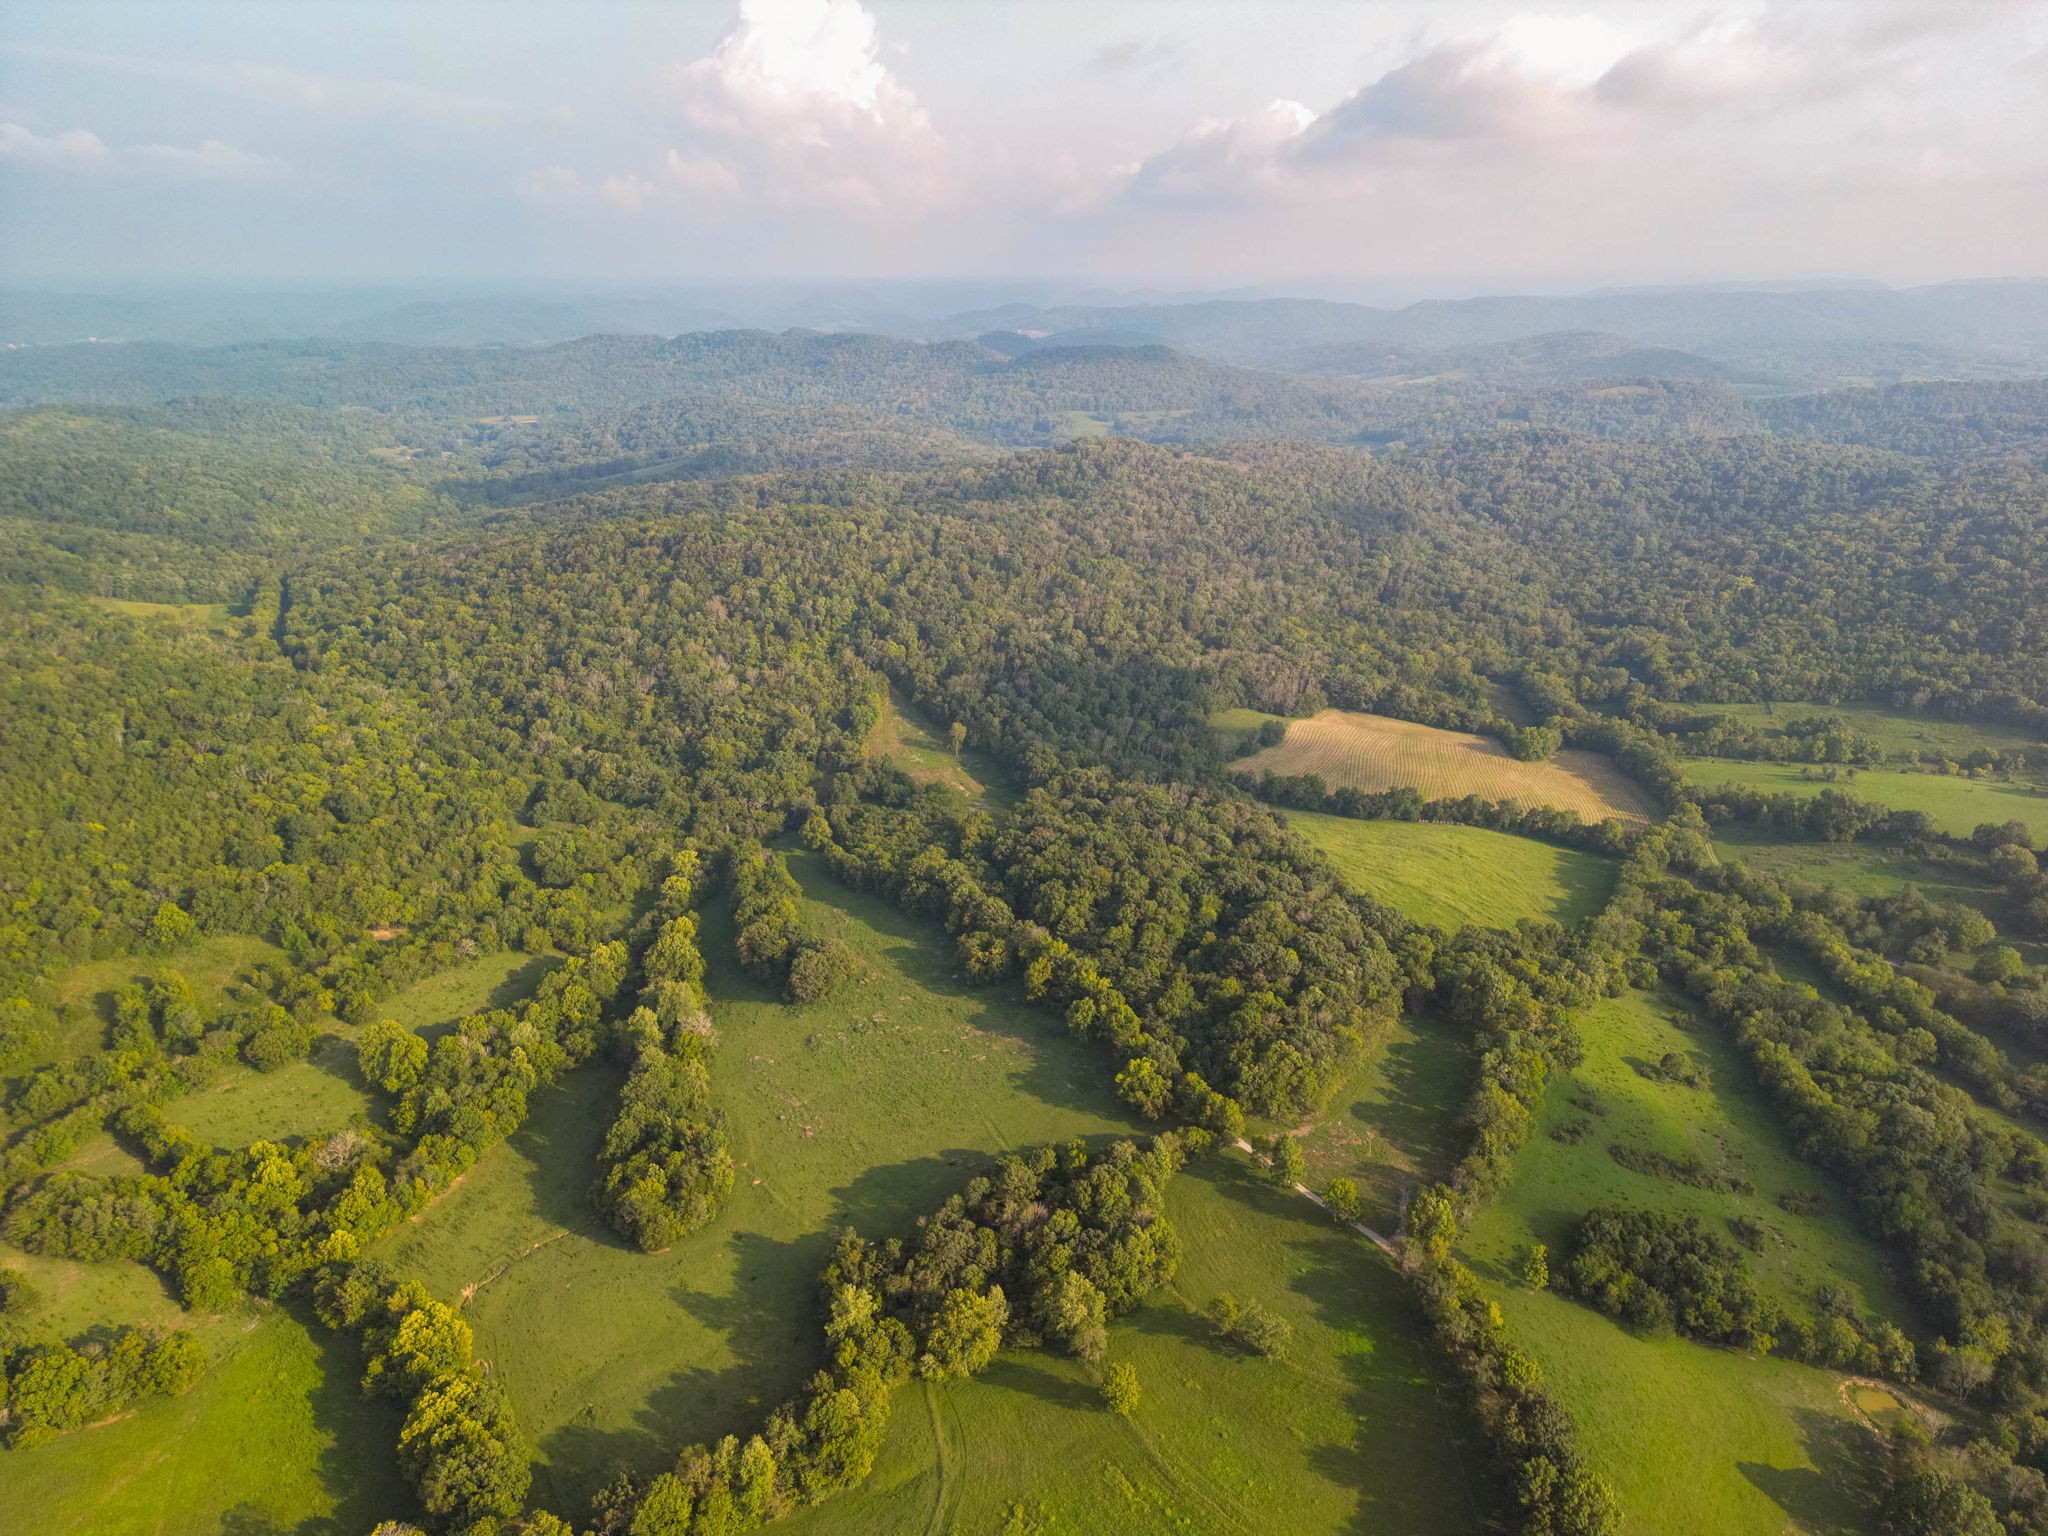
1451	875
1354	1428
491	981
1894	730
1865	869
908	740
308	1098
1393	1124
869	1108
1733	1441
275	1436
1956	804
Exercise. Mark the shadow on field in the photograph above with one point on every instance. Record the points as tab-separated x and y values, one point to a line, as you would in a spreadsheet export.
1835	1496
564	1145
1029	1375
356	1466
1397	1389
1425	1080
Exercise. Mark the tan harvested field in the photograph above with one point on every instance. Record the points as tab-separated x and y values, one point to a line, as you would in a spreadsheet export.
1371	752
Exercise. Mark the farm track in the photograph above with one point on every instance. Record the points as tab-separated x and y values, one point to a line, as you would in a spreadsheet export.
1372	752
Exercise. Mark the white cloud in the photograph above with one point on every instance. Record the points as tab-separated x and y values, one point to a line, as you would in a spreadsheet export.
211	161
73	150
1536	88
306	90
794	109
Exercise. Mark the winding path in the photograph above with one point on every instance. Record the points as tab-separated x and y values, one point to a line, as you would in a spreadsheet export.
1385	1245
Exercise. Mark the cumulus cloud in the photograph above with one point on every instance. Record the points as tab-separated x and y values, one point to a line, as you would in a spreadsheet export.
75	149
1533	87
305	90
793	109
210	161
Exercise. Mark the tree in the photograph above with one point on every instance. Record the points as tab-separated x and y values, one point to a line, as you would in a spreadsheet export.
956	736
1999	963
965	1334
171	928
1250	1325
1144	1087
1285	1164
460	1449
1076	1315
1120	1390
1536	1267
1342	1198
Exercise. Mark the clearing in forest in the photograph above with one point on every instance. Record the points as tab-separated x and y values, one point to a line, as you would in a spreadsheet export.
870	1109
1746	1444
1897	732
1397	1122
1955	803
1372	752
906	740
1448	875
1356	1426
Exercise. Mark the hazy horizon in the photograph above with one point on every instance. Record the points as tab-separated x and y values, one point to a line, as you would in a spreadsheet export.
1382	153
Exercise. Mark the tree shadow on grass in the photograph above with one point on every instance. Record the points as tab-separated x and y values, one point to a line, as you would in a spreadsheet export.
357	1465
1033	1376
560	1140
1837	1495
1398	1390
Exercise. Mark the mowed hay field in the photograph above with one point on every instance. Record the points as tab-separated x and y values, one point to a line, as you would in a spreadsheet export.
1435	872
1372	752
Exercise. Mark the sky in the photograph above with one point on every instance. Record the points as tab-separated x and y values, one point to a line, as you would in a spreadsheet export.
1287	145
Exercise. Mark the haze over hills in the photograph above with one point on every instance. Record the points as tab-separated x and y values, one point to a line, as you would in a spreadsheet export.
1804	336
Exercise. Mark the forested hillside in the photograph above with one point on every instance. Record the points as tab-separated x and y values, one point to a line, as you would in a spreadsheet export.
486	741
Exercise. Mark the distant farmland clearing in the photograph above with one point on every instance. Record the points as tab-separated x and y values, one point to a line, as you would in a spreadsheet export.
1371	752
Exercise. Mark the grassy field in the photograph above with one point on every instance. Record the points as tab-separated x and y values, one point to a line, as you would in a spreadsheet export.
274	1438
1372	752
906	739
1955	804
1450	875
1393	1124
498	980
1865	869
1728	1442
1355	1428
308	1098
1896	731
867	1109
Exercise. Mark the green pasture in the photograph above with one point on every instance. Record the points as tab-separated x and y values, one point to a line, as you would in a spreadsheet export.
1448	875
1722	1441
1955	803
1356	1427
865	1110
1898	732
